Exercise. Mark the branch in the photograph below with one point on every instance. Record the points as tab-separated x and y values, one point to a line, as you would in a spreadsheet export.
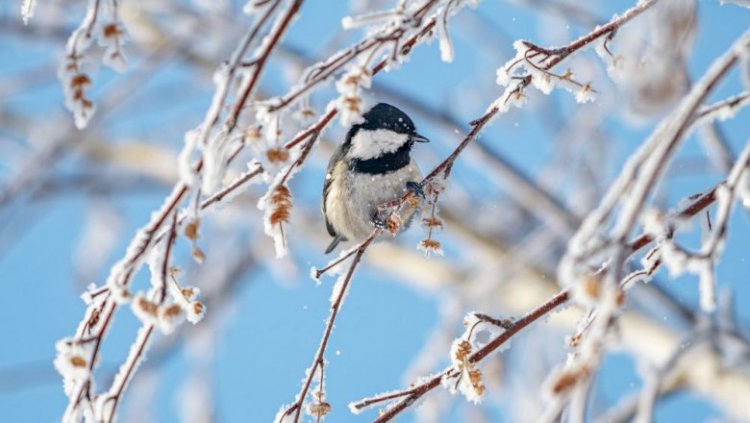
416	392
340	290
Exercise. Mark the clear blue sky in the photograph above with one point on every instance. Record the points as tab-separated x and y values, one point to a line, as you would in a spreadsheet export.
273	328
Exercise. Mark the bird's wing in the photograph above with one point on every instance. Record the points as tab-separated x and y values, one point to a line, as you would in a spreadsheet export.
327	186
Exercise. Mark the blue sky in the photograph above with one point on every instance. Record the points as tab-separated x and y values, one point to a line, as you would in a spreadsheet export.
272	327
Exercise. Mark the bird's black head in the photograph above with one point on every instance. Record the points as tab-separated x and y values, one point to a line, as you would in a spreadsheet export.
385	116
386	133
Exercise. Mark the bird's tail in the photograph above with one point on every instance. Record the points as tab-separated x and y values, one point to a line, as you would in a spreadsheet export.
334	243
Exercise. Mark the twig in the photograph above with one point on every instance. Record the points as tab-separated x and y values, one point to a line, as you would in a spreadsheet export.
318	361
416	392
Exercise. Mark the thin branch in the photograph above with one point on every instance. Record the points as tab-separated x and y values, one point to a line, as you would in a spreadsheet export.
318	361
416	392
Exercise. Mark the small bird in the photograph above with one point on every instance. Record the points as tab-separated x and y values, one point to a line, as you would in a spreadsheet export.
372	167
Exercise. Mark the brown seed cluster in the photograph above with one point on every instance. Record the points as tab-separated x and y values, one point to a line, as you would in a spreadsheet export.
191	230
79	82
567	379
320	407
393	223
430	246
277	155
112	30
147	306
464	365
432	223
78	361
281	199
353	104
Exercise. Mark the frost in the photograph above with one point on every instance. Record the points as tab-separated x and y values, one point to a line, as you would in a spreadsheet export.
76	82
111	38
654	223
169	316
276	206
512	97
144	309
72	361
506	72
350	102
430	247
341	286
282	417
353	22
185	166
446	46
650	260
743	188
585	94
707	286
106	407
214	160
723	110
27	10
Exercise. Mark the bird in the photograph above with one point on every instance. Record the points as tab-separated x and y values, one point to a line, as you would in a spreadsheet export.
373	166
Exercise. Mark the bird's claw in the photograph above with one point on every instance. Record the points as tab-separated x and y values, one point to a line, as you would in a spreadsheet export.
416	188
377	221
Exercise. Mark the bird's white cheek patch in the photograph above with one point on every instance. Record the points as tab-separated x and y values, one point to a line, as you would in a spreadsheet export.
372	144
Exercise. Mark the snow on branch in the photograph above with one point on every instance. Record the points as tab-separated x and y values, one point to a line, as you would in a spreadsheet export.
102	24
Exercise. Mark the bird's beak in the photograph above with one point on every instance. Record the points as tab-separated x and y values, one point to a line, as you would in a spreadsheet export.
419	138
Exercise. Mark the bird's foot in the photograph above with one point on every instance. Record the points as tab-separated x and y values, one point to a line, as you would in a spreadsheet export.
377	221
415	188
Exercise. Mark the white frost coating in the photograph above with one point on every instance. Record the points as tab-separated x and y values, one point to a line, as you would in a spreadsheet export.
214	162
27	10
446	46
743	188
169	316
314	275
184	164
139	247
585	95
463	385
155	261
111	38
650	260
353	22
506	72
75	82
72	362
336	292
145	310
350	102
675	259
707	286
723	110
281	417
430	249
214	148
228	197
510	98
654	223
255	8
104	406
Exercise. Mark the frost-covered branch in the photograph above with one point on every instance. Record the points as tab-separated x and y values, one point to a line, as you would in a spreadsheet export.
317	409
409	396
